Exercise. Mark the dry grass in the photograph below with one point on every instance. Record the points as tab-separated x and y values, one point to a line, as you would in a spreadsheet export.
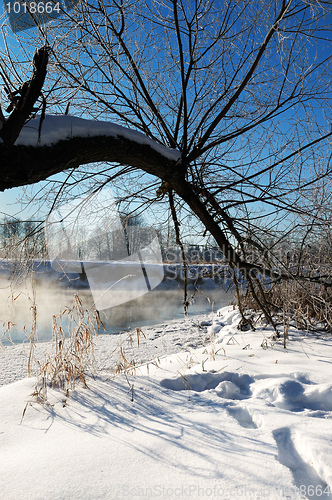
33	333
124	365
72	358
6	332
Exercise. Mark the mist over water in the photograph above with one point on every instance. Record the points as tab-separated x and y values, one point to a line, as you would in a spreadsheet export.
51	298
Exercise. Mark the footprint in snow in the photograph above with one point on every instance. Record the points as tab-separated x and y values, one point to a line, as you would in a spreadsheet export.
242	416
305	477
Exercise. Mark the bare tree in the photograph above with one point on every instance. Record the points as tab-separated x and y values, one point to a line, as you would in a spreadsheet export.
241	89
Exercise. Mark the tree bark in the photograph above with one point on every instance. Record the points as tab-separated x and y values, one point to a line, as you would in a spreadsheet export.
24	99
23	165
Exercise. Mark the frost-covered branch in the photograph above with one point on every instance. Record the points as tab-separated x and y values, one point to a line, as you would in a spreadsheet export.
68	142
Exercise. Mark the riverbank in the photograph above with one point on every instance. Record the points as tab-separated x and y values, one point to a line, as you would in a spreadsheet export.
207	410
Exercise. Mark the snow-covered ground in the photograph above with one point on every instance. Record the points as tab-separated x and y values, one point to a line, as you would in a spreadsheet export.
216	413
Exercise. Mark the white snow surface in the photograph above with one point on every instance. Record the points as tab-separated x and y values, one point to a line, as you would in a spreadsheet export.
216	413
57	128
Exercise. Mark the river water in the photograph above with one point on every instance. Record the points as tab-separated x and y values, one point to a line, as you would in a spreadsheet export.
48	297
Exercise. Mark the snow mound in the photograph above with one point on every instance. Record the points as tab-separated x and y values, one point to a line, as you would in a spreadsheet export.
227	385
224	321
294	395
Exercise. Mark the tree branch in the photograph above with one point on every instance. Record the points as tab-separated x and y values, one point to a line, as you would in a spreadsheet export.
23	101
22	165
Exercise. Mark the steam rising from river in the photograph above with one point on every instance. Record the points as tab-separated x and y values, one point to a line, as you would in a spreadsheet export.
162	304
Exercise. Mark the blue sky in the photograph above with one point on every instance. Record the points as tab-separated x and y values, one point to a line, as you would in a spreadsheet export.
8	199
10	205
7	202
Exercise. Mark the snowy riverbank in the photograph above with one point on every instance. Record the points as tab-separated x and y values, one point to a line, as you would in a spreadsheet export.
216	413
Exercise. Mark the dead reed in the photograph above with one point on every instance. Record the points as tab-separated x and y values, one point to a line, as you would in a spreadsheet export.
72	356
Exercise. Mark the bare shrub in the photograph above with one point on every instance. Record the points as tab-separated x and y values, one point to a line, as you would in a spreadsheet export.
307	305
